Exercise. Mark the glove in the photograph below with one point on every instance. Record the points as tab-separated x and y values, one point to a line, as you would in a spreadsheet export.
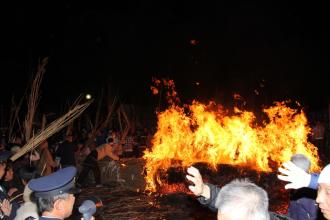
296	176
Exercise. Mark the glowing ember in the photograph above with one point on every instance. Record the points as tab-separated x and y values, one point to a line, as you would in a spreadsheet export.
174	188
154	90
209	134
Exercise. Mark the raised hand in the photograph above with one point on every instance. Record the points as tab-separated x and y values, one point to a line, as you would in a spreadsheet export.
6	207
296	176
199	188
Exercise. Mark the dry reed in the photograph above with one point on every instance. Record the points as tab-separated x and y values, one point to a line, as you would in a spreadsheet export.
51	129
34	99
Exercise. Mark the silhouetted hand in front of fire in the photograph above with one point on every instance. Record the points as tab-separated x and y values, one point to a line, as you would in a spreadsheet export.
199	188
297	177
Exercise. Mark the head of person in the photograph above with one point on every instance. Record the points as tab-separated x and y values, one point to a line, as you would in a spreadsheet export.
15	149
109	140
323	192
4	155
69	137
9	176
242	200
54	194
301	161
27	173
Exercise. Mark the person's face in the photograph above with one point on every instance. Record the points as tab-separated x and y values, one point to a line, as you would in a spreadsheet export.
323	199
2	169
9	175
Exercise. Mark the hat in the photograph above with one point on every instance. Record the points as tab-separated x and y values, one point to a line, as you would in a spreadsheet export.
325	175
301	161
57	183
4	155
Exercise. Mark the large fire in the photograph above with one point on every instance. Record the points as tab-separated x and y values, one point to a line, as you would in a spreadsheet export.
211	135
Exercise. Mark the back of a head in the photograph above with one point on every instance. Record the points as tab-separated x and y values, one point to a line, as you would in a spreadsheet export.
241	199
27	173
301	161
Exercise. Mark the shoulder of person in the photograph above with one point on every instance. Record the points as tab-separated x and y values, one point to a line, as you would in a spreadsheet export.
28	209
276	216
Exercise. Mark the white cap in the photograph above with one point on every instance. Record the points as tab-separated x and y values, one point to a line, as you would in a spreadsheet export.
325	175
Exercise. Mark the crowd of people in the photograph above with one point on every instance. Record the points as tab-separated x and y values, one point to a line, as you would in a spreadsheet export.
42	183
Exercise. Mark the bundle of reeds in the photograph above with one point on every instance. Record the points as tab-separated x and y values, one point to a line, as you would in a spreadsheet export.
34	99
51	129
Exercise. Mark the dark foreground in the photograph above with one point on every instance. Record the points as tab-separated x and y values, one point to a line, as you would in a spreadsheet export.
125	199
120	204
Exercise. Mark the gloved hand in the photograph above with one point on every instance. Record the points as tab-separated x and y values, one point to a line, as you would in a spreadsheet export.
296	176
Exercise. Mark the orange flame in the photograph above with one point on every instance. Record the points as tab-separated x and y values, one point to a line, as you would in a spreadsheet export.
217	137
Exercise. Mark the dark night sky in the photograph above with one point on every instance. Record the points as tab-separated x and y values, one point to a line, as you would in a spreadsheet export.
239	45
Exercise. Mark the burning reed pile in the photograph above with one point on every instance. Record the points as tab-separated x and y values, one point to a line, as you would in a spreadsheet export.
223	144
211	134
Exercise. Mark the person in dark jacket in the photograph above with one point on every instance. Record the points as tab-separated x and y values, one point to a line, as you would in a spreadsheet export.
302	201
65	152
7	209
298	178
237	200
